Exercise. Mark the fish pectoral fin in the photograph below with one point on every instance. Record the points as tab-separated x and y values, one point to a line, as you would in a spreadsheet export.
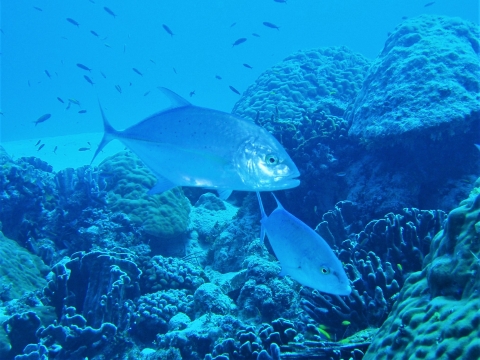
224	193
161	186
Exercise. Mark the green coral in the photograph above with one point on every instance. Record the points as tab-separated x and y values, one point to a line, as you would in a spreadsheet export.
20	271
437	315
162	215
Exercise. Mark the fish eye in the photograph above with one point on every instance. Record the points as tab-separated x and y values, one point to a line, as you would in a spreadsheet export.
325	270
271	159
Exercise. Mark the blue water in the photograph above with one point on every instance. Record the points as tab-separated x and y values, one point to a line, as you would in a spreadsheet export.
34	41
91	266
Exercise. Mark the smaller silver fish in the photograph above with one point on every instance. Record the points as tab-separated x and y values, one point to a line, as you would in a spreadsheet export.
303	254
137	71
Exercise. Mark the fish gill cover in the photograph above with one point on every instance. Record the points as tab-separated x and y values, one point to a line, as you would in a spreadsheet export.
94	266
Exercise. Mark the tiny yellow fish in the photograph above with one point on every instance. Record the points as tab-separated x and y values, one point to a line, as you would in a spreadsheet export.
346	322
399	266
324	333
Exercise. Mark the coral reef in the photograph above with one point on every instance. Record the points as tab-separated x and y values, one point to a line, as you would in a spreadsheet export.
163	216
394	106
437	311
20	271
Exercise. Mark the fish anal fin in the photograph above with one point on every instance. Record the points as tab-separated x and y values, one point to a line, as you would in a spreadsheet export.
161	186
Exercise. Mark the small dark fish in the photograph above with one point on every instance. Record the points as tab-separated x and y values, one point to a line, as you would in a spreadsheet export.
109	11
48	74
55	150
234	90
239	41
37	8
38	142
28	82
82	111
247	66
71	21
174	70
167	29
81	66
233	24
218	77
40	147
119	89
60	99
88	142
74	101
104	76
270	25
146	93
88	79
124	48
255	34
429	4
137	71
404	17
43	118
94	33
83	149
192	93
153	62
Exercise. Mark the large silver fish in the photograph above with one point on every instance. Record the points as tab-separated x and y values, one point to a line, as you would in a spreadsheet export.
187	145
303	254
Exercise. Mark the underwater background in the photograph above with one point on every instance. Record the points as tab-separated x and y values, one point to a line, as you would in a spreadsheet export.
376	102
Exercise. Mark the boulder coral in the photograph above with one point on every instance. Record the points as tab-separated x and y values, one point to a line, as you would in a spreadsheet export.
394	106
162	215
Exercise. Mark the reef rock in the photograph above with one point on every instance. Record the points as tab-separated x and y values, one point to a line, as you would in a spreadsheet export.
163	216
437	314
424	83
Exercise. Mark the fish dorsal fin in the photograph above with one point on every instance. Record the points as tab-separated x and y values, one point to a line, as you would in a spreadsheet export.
279	206
176	100
224	193
264	216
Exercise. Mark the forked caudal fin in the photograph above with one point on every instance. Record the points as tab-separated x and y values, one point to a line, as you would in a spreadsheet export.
109	133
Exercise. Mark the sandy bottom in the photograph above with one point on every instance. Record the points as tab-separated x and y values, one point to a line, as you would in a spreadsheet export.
67	154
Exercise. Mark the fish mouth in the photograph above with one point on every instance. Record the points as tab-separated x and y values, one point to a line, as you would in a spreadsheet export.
283	182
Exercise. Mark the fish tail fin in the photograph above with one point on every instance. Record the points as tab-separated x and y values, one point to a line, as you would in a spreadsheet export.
262	211
108	135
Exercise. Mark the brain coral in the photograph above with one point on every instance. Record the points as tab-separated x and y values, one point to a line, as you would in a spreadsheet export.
437	314
161	215
302	82
427	76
